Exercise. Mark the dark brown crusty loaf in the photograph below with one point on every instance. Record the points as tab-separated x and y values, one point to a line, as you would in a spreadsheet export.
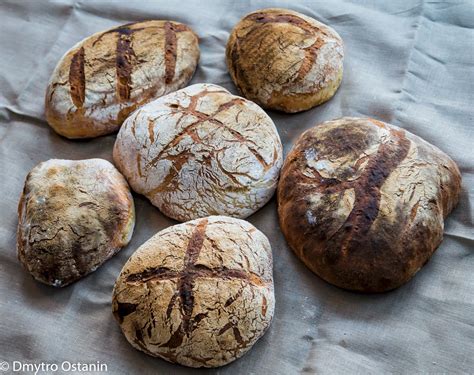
103	78
285	60
73	215
363	203
198	293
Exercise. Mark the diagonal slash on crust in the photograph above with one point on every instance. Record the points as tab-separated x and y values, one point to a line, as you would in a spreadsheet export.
77	78
262	18
170	52
124	61
366	187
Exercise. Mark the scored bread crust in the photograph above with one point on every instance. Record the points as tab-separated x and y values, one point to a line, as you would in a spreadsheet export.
362	203
201	151
199	293
72	217
103	78
284	60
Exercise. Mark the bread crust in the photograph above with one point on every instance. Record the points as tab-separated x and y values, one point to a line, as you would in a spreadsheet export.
72	217
199	293
284	60
362	203
105	77
201	151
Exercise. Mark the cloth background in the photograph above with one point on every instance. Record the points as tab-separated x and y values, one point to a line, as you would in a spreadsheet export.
408	62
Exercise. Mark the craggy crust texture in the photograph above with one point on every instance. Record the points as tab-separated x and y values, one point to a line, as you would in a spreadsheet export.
285	60
199	294
73	216
201	151
363	203
102	79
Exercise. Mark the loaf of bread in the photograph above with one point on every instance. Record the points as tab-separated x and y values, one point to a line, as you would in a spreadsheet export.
199	293
285	60
72	217
201	151
363	203
103	78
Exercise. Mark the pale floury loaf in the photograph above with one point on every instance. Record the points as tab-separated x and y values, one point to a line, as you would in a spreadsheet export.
73	215
103	78
363	203
285	60
201	151
198	293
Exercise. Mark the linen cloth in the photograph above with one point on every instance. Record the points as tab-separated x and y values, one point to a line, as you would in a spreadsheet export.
407	62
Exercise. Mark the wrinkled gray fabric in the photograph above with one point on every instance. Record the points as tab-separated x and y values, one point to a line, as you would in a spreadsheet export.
408	62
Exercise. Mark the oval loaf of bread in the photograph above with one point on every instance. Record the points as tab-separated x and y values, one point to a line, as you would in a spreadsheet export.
199	293
73	216
201	151
103	78
285	60
363	203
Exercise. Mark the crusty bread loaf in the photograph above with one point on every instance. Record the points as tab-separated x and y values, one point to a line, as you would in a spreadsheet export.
72	217
199	293
103	78
201	151
285	60
363	203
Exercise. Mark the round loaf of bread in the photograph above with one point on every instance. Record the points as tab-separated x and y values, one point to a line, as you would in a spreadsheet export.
103	78
285	60
201	151
73	215
199	293
363	203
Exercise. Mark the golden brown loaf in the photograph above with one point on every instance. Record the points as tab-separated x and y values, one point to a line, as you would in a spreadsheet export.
199	293
363	203
201	151
73	216
285	60
102	79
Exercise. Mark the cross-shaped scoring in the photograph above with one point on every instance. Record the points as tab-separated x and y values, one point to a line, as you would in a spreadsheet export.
191	130
185	286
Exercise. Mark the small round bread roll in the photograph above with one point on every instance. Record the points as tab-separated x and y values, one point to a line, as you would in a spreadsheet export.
103	78
363	203
285	60
73	215
201	151
199	293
